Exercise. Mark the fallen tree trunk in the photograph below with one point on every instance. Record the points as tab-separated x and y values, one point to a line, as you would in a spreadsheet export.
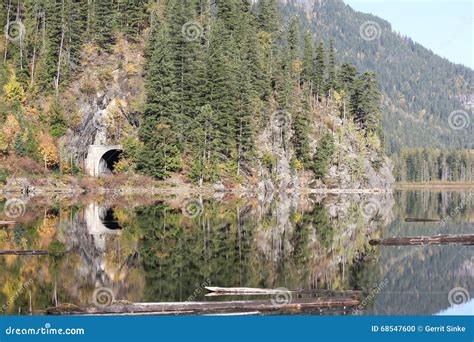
244	291
198	308
410	219
40	252
465	239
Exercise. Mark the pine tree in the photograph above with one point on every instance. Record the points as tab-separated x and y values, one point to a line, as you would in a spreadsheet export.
204	144
308	59
19	146
331	82
323	155
268	16
222	76
103	24
160	154
346	76
248	75
48	64
131	16
365	103
319	71
56	122
301	129
77	27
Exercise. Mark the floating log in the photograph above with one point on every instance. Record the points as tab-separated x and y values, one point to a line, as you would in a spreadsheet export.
199	308
415	220
245	313
41	252
6	223
247	291
465	239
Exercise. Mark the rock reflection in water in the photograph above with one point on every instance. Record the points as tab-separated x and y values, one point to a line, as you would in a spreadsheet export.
154	252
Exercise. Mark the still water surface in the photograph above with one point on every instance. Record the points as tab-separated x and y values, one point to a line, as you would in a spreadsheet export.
158	250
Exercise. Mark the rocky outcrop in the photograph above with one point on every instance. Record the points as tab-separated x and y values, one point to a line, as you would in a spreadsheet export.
105	99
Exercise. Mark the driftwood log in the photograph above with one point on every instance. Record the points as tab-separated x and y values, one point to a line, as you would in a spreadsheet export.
201	308
464	239
250	291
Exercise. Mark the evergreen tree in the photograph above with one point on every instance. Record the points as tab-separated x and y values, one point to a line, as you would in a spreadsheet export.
56	121
223	62
331	82
77	28
19	147
204	142
248	76
319	71
301	130
323	155
365	103
48	64
160	154
308	59
103	24
131	16
346	76
268	16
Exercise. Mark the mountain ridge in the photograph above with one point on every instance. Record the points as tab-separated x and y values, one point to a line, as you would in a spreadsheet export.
421	88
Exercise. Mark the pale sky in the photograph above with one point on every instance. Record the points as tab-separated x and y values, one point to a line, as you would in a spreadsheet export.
443	26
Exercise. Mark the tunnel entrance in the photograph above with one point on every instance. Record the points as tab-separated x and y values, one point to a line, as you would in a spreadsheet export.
102	159
109	220
108	161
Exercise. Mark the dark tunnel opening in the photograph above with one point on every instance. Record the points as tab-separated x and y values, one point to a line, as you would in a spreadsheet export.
109	159
110	221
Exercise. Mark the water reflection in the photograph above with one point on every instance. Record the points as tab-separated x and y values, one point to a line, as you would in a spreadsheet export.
154	250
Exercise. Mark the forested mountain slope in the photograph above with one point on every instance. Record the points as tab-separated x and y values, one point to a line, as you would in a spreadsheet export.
421	89
218	90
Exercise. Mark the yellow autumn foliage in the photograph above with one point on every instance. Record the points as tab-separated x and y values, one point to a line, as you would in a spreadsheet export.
49	150
8	132
13	90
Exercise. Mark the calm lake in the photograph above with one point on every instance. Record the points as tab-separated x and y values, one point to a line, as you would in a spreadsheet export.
168	249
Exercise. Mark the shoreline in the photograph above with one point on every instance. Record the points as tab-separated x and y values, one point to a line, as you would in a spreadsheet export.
29	186
200	191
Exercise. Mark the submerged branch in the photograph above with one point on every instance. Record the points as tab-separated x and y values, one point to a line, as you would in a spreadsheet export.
466	239
409	219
